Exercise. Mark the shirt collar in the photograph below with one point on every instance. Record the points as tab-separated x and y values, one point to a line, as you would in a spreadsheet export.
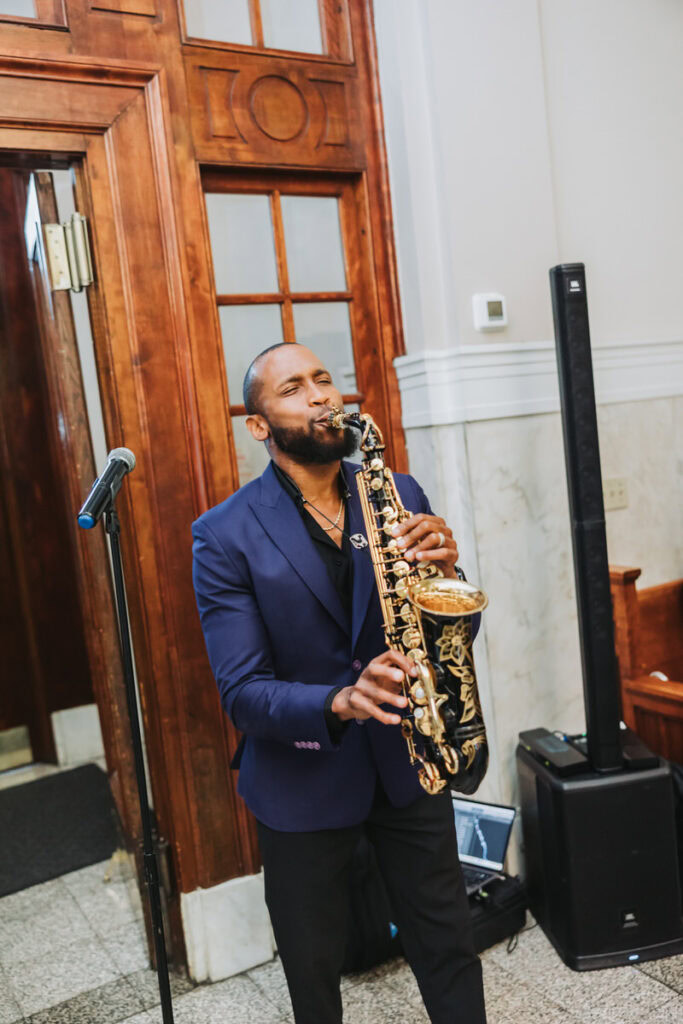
294	491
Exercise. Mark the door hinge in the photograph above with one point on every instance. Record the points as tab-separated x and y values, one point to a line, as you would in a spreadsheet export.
68	254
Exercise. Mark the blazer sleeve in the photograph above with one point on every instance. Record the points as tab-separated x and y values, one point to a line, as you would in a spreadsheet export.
239	652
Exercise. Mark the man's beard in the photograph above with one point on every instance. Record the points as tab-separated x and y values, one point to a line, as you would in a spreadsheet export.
303	445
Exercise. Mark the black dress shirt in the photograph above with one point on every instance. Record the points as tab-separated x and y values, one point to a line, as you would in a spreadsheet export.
339	565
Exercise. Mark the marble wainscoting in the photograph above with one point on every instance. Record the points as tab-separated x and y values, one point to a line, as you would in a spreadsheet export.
643	442
520	506
517	475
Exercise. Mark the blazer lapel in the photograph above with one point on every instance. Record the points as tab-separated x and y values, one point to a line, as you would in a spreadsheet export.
282	521
364	585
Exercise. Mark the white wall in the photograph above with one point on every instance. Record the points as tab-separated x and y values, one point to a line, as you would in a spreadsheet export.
614	88
522	134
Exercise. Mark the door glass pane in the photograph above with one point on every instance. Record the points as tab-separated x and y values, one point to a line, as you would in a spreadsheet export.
246	331
292	25
18	8
325	328
226	21
315	255
242	243
252	455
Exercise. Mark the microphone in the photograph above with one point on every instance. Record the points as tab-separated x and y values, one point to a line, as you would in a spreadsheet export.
119	462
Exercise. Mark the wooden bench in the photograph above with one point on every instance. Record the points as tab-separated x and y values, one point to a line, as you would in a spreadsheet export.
649	638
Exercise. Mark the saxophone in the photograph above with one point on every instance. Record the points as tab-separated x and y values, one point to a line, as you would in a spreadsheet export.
428	618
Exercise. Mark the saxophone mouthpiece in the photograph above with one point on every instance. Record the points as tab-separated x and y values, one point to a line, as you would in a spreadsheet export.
336	418
340	419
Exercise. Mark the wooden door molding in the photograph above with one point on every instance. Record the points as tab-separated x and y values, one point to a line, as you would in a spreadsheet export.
264	109
117	119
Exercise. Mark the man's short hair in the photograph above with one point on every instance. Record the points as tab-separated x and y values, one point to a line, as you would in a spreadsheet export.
253	385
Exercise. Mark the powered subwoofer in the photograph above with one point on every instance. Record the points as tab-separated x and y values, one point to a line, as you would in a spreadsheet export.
601	864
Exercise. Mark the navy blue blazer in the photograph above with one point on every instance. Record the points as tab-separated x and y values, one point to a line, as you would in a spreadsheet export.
278	642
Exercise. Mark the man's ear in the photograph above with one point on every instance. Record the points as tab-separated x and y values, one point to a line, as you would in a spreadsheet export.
258	427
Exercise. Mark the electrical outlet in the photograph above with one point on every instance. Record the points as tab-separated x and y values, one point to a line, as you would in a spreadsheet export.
615	493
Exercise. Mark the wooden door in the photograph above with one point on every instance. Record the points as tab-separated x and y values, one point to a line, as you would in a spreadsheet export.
291	262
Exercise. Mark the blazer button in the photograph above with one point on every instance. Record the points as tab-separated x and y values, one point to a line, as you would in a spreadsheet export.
356	665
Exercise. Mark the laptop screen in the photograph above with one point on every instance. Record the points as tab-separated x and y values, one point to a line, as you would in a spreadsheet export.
483	832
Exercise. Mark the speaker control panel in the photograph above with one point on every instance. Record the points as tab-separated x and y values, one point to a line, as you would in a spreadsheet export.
553	751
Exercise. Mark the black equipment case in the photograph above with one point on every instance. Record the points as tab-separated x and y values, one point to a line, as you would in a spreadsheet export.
498	912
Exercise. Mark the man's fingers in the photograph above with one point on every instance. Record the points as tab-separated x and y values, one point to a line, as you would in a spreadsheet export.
432	548
388	674
417	526
410	524
438	555
364	705
397	658
430	542
379	694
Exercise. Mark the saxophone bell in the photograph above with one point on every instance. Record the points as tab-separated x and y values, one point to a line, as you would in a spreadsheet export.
458	747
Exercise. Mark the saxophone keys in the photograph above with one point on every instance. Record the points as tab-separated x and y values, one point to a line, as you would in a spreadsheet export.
406	612
392	544
377	483
418	694
417	654
376	464
411	637
401	568
401	588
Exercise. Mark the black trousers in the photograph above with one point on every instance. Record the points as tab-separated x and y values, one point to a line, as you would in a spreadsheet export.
307	884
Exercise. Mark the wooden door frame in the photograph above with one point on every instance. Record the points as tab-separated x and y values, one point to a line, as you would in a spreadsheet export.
104	115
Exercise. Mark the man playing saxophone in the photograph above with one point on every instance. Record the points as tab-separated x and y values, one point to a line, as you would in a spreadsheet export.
293	625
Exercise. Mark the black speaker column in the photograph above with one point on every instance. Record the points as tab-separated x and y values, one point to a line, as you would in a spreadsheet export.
587	512
597	815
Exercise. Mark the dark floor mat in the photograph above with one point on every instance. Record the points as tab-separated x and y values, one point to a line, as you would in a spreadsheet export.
54	825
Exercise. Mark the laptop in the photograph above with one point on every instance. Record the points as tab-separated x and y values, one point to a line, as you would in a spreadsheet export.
483	832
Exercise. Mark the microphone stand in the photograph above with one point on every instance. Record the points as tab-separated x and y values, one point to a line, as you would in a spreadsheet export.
112	527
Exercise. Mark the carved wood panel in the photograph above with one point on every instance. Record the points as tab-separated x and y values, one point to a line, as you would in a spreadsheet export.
266	110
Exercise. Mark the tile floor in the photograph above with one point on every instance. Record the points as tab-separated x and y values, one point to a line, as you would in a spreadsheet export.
72	951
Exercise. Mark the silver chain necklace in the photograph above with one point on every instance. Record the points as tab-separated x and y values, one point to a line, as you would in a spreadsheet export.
357	539
327	529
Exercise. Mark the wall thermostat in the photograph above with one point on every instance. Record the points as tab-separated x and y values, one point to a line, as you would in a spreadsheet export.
490	312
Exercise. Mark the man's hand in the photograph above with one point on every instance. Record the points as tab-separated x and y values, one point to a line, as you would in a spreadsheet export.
427	538
379	683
